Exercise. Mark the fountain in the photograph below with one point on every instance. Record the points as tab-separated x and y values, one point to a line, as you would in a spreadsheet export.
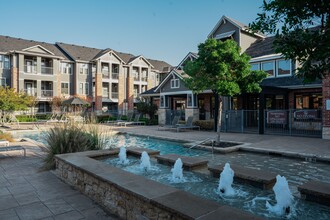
145	161
283	197
226	180
122	156
177	174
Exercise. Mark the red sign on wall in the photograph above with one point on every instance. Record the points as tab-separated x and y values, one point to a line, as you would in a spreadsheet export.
277	117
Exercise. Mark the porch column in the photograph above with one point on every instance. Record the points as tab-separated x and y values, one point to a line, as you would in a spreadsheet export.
38	88
261	113
326	107
98	89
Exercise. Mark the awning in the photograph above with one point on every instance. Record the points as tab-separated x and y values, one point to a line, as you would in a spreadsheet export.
224	35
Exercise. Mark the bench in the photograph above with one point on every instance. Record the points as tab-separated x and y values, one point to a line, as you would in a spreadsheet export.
257	178
315	191
4	146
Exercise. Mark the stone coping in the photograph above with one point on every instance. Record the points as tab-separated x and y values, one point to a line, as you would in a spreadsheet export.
189	163
181	204
315	191
258	178
137	151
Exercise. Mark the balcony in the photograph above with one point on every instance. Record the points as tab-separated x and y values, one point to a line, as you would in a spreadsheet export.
46	93
144	79
47	70
105	94
31	91
114	95
114	75
30	69
136	78
105	74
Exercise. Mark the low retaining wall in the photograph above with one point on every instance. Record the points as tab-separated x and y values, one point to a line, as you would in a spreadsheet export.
134	197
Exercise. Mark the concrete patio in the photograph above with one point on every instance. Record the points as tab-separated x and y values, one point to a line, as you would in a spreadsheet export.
26	192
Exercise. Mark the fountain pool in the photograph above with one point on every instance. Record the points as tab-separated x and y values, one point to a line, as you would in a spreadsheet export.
297	172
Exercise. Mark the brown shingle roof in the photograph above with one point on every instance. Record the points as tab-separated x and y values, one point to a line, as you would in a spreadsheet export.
10	43
162	66
80	52
261	47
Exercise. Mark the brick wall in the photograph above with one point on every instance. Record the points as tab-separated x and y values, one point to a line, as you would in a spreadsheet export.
98	91
326	96
14	78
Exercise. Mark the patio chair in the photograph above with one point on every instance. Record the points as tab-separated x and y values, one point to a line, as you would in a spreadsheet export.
174	124
188	125
119	116
136	121
4	146
129	119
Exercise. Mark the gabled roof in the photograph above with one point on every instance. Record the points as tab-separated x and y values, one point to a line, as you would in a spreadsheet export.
179	73
140	56
124	56
190	54
77	52
8	44
261	47
238	24
162	66
106	51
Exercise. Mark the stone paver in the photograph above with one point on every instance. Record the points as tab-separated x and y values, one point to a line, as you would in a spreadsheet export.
27	192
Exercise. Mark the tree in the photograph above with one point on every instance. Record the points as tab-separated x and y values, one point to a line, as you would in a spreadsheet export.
147	108
221	67
301	31
11	101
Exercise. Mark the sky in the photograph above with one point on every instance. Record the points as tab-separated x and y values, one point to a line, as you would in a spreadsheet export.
157	29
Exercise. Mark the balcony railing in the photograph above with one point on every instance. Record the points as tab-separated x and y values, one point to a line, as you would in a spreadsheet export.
30	69
114	75
105	94
31	92
136	78
46	70
114	95
144	79
105	74
46	93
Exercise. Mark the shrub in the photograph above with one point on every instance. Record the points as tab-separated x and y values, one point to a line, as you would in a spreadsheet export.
205	124
6	136
26	118
69	138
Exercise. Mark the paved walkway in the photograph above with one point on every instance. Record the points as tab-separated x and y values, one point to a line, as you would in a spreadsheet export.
286	145
28	193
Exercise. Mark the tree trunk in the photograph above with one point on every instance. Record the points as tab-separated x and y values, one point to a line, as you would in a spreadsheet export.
219	121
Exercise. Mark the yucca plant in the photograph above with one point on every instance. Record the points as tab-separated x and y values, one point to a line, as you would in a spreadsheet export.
97	138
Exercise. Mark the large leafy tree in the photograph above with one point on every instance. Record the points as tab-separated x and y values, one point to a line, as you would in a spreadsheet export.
222	67
11	101
302	33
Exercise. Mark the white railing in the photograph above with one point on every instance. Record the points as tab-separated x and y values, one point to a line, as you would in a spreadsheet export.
46	93
114	95
114	75
31	92
46	70
30	69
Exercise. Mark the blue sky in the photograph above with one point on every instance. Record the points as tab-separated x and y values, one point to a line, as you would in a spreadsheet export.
159	29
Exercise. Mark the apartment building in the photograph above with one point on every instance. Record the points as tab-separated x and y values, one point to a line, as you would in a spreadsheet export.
286	104
110	80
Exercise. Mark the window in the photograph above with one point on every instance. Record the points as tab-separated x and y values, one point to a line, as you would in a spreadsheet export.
65	88
83	69
30	64
268	67
4	62
3	82
255	66
163	101
144	74
136	91
86	88
175	83
66	68
308	101
136	73
283	67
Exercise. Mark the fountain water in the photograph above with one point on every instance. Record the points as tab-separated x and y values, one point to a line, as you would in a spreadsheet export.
177	172
145	161
226	180
122	156
283	197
